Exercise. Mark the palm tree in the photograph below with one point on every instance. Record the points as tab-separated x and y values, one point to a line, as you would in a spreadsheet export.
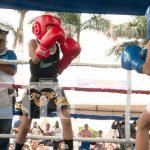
73	23
18	38
132	32
18	33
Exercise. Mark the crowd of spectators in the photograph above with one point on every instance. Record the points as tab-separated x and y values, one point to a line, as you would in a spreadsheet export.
36	129
85	132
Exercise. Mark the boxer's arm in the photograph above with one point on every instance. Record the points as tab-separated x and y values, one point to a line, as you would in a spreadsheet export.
146	65
146	68
32	45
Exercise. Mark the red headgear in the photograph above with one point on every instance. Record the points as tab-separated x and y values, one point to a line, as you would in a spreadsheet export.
41	22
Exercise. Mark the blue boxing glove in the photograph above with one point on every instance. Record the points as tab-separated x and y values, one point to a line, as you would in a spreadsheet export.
143	54
132	58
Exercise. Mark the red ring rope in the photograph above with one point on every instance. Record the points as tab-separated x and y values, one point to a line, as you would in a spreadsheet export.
122	91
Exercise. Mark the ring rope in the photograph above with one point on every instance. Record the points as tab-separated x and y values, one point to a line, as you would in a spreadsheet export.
129	91
110	90
75	138
2	61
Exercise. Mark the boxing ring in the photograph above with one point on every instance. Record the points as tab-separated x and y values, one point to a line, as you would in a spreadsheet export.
128	93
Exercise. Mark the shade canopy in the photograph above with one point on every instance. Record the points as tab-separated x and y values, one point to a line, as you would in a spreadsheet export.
126	7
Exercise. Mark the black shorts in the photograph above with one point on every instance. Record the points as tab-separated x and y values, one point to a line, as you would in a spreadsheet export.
38	102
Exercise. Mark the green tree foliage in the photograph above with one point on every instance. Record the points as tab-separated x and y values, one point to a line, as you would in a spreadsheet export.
17	32
74	24
134	31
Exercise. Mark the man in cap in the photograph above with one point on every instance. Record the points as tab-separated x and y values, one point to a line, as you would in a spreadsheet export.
7	72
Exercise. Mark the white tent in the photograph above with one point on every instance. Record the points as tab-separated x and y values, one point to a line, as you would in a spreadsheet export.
104	103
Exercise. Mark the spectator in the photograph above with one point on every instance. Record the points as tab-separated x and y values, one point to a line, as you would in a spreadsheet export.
100	145
27	145
85	133
61	146
34	144
41	145
133	133
110	147
36	129
48	132
133	130
100	133
11	146
129	148
15	127
56	132
120	126
7	72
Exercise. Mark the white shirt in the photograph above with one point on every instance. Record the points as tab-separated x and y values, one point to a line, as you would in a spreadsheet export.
5	99
57	132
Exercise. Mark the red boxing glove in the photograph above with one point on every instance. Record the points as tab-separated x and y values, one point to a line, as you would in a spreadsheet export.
55	34
70	49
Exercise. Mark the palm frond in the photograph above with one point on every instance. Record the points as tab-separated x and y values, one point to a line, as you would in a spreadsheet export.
118	48
99	23
133	29
7	26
